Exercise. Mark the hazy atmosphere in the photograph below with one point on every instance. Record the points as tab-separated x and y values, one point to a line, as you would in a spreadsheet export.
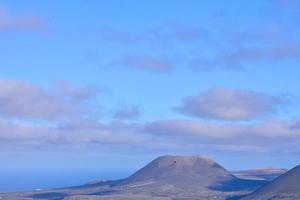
97	89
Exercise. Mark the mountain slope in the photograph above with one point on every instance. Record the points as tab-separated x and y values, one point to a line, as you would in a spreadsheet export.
285	187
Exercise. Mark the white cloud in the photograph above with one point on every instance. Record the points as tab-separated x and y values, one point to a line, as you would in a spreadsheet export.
127	112
145	62
13	23
230	104
20	99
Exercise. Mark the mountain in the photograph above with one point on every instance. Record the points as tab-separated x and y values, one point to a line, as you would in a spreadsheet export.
181	170
268	174
285	187
166	177
188	177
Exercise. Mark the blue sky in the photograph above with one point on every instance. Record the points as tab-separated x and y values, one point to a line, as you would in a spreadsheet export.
110	84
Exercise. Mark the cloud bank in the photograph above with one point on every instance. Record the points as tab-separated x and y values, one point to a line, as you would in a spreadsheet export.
267	136
57	118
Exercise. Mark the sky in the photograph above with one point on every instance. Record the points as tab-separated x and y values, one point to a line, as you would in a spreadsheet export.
110	85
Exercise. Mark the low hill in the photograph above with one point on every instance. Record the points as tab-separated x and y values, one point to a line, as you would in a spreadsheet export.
267	174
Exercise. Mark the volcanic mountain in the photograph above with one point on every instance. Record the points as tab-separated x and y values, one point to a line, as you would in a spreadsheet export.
181	171
185	177
285	187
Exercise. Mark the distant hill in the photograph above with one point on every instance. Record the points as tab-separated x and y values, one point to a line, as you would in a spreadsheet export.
268	174
285	187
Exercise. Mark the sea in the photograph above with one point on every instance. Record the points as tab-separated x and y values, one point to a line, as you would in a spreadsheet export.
35	179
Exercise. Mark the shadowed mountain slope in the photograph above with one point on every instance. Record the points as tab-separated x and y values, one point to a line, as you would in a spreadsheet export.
285	187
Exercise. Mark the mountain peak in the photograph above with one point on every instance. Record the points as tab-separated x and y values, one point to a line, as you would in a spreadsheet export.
183	160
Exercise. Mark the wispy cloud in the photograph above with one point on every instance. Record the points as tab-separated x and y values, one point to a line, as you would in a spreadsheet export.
25	22
246	48
209	50
127	112
230	104
156	64
161	34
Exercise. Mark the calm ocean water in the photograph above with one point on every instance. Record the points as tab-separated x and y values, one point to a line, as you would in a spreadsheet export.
16	180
